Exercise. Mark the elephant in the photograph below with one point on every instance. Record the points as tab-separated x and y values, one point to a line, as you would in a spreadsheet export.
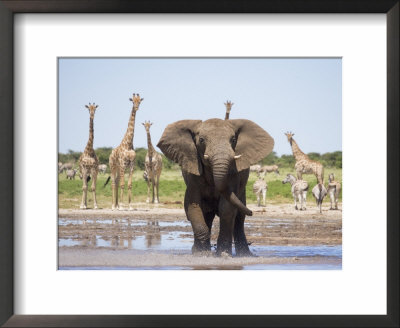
215	156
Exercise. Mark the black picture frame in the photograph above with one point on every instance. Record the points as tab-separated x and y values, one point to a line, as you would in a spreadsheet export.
7	10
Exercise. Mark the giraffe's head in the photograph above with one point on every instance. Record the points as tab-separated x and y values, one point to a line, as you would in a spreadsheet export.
136	101
92	109
147	125
289	136
228	105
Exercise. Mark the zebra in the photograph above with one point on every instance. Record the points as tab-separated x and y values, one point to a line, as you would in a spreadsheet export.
66	166
102	168
270	168
299	190
333	191
260	187
255	168
71	174
319	192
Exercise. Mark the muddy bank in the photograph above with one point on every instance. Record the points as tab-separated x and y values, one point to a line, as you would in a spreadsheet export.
274	225
271	210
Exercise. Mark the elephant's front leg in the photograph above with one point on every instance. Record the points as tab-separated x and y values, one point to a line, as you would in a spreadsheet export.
227	213
241	245
201	231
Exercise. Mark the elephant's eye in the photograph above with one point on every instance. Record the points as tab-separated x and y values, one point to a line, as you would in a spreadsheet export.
233	140
201	140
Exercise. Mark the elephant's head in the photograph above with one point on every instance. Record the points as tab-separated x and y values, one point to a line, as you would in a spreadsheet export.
220	145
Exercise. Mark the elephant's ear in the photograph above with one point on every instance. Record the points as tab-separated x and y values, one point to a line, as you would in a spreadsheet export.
253	143
177	143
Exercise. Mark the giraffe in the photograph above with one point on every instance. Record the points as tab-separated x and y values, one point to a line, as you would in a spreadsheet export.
88	162
304	165
123	157
228	106
153	166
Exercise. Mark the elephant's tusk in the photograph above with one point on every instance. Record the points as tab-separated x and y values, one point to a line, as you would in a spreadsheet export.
237	156
206	157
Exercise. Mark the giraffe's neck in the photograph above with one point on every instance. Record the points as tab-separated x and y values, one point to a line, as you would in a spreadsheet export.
128	138
89	145
297	153
150	149
227	114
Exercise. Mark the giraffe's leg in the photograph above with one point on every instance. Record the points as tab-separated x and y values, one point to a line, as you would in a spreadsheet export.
131	168
117	179
113	187
148	188
152	187
122	186
299	175
157	200
84	191
94	176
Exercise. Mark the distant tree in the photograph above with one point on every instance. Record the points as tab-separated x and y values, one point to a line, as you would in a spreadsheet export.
167	163
333	159
103	154
286	161
140	157
314	156
271	159
73	155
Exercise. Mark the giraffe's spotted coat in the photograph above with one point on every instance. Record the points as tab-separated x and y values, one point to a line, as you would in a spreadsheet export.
88	162
228	106
123	157
153	167
305	165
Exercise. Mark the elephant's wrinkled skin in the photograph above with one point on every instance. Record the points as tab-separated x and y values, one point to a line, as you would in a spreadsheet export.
215	156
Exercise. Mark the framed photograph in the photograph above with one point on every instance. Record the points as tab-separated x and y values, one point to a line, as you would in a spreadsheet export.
143	106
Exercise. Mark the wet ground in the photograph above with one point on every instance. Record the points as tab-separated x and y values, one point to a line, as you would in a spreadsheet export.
157	238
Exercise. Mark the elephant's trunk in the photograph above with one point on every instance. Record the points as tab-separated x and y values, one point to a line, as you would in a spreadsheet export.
220	169
232	198
220	174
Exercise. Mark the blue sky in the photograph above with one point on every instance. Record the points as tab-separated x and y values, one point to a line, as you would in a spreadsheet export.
299	95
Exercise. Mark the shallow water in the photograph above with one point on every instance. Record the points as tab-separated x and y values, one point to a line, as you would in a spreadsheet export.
284	266
154	238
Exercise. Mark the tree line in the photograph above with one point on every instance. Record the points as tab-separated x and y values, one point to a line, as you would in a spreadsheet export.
103	153
333	159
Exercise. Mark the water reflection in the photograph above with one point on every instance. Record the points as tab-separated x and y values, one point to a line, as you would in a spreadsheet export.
153	235
167	237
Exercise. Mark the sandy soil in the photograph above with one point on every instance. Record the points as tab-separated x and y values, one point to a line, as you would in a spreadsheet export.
271	210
